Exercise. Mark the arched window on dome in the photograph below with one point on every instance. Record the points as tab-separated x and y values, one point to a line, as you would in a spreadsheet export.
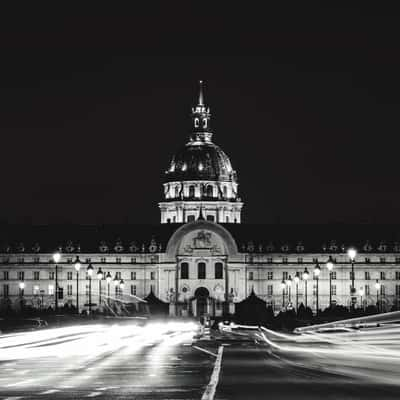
225	191
191	191
196	122
176	191
205	123
209	191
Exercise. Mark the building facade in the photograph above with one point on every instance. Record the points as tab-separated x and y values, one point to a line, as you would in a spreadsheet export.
201	258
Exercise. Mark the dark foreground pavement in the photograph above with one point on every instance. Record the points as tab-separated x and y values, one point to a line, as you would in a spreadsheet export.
249	372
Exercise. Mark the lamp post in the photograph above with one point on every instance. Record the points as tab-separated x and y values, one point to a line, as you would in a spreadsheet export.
100	277
77	268
108	279
121	285
317	271
352	253
361	293
296	281
305	279
89	270
329	265
21	293
116	284
377	287
56	259
283	286
289	285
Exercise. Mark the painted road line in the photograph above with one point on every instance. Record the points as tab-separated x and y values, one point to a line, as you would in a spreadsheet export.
209	393
205	351
14	398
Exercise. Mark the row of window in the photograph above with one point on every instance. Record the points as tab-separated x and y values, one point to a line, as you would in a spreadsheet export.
285	275
70	275
201	270
367	291
70	260
37	291
300	260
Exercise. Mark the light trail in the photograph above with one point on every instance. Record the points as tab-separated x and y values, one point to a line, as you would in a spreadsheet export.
75	356
370	353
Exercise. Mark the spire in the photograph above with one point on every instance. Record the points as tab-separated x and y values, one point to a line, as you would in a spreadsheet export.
201	119
201	95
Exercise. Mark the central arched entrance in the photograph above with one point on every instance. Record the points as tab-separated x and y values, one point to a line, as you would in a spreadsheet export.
201	294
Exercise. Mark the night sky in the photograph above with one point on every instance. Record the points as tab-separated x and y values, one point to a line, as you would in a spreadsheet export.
94	102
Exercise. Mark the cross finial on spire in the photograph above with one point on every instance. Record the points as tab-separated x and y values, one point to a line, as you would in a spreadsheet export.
201	96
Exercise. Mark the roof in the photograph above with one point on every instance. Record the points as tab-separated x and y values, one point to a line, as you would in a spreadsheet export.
200	161
250	238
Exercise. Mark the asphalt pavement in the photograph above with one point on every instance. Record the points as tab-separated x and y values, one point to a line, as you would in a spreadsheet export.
103	363
162	361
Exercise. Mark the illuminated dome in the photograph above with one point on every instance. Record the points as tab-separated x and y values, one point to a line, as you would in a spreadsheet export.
200	161
200	181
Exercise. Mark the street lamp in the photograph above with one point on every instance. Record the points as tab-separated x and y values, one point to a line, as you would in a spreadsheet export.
100	277
352	253
56	259
296	281
116	284
329	265
317	271
77	268
108	279
89	270
21	293
121	285
283	286
289	285
22	287
305	279
361	293
377	287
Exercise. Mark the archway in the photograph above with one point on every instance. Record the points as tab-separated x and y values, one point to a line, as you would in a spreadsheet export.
201	294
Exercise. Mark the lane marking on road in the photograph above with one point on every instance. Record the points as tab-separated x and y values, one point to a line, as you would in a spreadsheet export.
205	351
50	391
94	394
209	393
14	398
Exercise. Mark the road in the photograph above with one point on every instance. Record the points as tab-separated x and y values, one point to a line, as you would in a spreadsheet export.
310	367
103	362
161	361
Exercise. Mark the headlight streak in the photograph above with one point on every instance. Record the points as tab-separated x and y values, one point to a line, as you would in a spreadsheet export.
373	354
92	349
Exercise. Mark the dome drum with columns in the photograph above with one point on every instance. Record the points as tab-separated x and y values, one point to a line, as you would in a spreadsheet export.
200	177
